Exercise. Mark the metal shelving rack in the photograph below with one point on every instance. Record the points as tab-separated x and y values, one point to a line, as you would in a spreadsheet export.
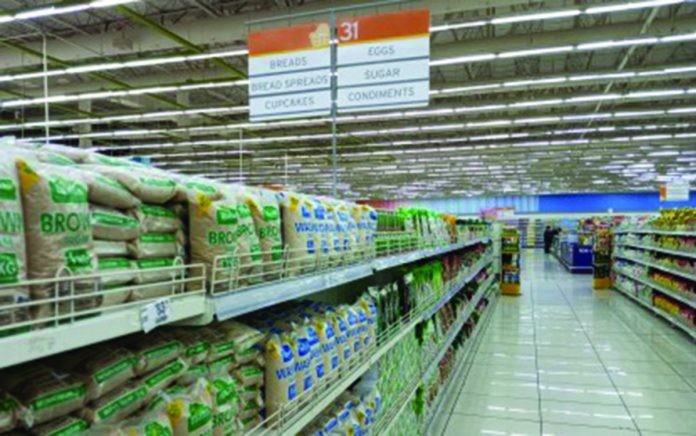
680	297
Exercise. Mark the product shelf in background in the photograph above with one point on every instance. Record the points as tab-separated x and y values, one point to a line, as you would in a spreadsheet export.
303	411
384	425
691	233
226	305
662	289
676	272
661	313
678	253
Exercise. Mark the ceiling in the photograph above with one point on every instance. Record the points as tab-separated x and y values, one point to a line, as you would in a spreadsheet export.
526	98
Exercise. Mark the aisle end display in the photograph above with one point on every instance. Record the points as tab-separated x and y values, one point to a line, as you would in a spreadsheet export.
510	262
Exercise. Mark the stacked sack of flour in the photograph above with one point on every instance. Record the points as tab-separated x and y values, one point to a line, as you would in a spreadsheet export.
306	341
187	381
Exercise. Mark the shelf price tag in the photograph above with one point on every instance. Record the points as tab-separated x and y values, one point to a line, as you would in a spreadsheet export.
155	314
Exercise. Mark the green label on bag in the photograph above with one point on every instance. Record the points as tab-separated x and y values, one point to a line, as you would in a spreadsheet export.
157	429
158	183
223	347
114	263
155	263
8	189
66	191
59	222
121	403
157	211
157	238
199	348
114	370
168	371
251	371
9	268
197	370
111	183
56	398
161	351
74	428
223	362
78	259
203	187
199	416
270	213
226	391
114	220
11	223
226	216
244	211
106	160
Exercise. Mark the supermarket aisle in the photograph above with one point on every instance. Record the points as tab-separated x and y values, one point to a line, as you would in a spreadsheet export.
564	360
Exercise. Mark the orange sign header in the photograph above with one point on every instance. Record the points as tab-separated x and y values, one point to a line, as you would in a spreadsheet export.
287	39
384	26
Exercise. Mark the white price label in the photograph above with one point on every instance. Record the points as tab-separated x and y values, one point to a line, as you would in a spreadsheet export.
155	314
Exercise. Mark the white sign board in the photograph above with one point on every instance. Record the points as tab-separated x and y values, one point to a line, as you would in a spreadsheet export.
290	72
383	61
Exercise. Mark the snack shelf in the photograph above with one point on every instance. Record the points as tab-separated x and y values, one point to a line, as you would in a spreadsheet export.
447	297
231	304
680	253
456	377
662	289
669	318
384	425
302	411
676	272
691	233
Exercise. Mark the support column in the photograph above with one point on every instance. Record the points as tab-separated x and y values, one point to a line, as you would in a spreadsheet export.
84	105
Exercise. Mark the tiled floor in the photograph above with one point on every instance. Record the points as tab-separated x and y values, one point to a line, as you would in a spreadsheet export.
563	359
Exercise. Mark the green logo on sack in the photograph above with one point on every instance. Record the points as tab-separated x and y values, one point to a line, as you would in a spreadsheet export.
113	220
74	428
244	211
157	211
157	429
77	259
113	370
59	222
155	263
114	263
226	216
9	268
8	189
157	238
158	183
66	191
203	187
226	391
54	399
167	372
11	223
199	415
201	347
270	213
122	402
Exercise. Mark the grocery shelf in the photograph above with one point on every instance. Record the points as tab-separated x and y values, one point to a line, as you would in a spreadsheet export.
676	272
662	289
384	427
680	253
570	268
669	318
300	413
231	304
691	233
119	322
436	308
456	374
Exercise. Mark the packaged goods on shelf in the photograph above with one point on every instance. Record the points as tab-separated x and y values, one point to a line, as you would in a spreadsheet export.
13	265
107	192
110	248
61	426
265	211
147	184
112	225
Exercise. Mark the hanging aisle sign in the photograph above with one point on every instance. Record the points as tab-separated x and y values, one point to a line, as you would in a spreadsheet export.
290	72
383	61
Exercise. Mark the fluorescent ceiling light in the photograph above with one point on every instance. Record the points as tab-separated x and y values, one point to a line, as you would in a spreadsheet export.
630	6
535	17
60	10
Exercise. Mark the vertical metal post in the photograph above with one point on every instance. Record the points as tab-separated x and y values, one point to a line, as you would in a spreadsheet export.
47	129
241	154
334	94
286	169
